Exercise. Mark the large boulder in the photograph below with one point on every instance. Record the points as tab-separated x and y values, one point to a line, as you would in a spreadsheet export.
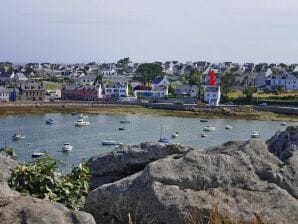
127	160
242	179
16	209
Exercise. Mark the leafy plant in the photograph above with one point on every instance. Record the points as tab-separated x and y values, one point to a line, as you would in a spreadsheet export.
9	152
42	179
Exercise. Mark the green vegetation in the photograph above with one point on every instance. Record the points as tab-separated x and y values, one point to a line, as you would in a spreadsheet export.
52	85
9	152
41	179
147	72
227	80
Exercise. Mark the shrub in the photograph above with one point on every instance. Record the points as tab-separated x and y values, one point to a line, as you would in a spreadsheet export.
9	152
42	179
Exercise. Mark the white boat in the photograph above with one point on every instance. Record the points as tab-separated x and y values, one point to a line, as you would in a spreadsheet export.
17	136
175	135
82	116
203	135
228	127
255	134
81	122
50	121
37	154
283	124
109	142
208	128
67	147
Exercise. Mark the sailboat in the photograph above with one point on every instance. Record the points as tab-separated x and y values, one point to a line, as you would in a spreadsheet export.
161	139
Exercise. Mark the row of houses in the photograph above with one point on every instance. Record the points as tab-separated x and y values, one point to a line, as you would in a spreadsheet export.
29	91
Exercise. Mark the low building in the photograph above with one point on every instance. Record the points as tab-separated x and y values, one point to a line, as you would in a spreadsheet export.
81	93
4	94
116	90
212	95
285	81
186	91
86	80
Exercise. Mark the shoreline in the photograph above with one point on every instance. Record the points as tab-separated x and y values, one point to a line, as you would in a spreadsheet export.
113	109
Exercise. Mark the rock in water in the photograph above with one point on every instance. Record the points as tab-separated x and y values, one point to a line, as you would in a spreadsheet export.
16	209
241	178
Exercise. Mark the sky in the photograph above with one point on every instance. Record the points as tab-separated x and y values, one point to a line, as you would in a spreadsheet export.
73	31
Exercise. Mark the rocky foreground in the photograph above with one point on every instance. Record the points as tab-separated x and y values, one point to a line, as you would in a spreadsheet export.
174	184
17	209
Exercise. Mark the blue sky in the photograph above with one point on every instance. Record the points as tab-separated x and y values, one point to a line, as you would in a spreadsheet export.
149	30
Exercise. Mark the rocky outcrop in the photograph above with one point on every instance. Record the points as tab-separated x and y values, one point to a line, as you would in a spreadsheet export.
127	160
17	209
242	178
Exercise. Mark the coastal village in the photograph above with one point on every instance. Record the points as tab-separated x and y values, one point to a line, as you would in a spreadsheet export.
126	81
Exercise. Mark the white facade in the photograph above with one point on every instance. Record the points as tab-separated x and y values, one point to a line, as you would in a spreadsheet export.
212	95
116	90
288	84
4	94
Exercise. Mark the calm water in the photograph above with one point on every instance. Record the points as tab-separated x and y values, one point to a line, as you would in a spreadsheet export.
86	140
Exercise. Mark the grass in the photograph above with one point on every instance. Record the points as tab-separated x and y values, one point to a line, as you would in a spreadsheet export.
237	93
214	217
52	85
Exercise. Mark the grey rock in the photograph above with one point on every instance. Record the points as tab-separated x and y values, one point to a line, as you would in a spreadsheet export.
242	178
16	209
127	160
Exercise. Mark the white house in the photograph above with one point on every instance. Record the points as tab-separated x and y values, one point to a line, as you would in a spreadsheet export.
116	90
86	80
158	89
186	90
286	81
4	94
212	95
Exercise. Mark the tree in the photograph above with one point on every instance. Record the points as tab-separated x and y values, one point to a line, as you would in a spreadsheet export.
195	77
147	72
172	88
249	94
2	69
98	79
227	81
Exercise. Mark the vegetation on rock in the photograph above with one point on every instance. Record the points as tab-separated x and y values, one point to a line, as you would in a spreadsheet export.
42	179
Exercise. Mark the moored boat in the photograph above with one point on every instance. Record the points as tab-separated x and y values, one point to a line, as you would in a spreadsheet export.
203	135
17	136
255	134
175	134
109	141
50	121
82	116
283	124
164	140
208	128
37	154
202	120
122	129
228	127
81	122
67	147
125	122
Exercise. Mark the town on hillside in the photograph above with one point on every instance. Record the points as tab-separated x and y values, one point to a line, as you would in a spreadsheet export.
125	81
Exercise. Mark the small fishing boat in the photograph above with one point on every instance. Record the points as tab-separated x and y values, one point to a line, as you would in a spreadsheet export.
202	120
82	116
283	124
37	154
17	136
208	128
67	147
122	129
50	121
81	122
109	141
175	134
228	127
125	122
255	134
203	135
73	113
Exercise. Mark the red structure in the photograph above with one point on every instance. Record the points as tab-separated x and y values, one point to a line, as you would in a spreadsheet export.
212	78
